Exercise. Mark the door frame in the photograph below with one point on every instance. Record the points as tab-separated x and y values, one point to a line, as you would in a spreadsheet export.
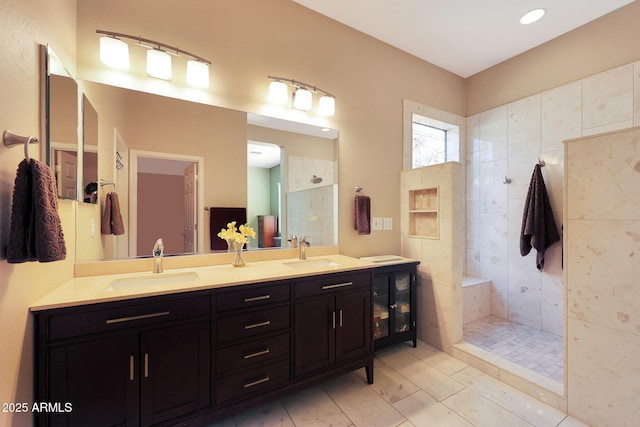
133	193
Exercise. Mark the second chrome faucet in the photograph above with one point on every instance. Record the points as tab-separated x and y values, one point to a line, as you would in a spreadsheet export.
303	243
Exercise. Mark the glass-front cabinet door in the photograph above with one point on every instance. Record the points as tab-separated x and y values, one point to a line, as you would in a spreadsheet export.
381	305
394	296
402	303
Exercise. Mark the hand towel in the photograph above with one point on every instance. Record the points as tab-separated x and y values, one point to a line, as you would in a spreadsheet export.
112	217
538	225
362	215
36	232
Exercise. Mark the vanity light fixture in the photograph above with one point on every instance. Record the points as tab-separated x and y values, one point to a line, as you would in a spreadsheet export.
114	52
159	62
278	92
532	16
302	99
197	73
302	95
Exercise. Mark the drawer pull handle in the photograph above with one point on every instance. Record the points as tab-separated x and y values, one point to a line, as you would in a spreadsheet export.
260	298
132	364
146	365
341	318
256	382
257	325
257	353
337	285
333	321
142	316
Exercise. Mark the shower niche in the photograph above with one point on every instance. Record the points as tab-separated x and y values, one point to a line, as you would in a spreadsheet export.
423	213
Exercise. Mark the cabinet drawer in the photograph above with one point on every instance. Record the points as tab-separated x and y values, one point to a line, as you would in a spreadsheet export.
332	283
121	316
252	381
259	351
245	297
253	323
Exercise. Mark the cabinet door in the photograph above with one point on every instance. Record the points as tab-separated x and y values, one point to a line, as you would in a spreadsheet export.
99	379
402	304
382	302
353	328
314	337
176	376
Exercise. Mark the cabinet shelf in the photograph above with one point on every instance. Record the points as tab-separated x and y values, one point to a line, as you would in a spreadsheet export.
423	213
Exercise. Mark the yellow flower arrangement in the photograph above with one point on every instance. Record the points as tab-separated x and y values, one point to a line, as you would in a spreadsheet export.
233	234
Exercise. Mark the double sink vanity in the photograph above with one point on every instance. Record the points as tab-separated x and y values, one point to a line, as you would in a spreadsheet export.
190	346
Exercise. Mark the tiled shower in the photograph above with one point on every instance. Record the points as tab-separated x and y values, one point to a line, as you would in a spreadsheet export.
502	147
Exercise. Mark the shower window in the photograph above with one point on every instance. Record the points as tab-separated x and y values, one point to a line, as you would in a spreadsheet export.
433	141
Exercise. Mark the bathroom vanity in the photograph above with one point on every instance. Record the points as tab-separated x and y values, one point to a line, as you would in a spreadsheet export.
202	352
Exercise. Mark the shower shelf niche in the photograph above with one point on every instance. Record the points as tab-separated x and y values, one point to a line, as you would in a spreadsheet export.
423	213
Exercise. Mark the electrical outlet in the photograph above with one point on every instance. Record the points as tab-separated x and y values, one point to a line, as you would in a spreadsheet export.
376	224
387	223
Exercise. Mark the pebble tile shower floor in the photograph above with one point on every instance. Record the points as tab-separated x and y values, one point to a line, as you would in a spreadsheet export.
528	347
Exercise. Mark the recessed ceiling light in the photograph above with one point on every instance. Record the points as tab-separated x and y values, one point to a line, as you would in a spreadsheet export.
531	17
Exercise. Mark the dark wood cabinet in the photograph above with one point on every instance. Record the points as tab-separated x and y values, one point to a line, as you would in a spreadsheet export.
394	304
196	357
141	369
333	323
98	378
253	330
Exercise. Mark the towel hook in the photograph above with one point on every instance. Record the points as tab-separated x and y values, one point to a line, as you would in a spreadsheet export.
358	189
10	139
541	162
506	180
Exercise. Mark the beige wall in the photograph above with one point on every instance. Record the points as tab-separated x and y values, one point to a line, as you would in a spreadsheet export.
601	45
248	40
25	24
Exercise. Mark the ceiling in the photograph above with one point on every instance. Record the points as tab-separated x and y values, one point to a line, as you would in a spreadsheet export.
462	36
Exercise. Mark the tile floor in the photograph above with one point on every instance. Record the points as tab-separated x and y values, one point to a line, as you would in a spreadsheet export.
528	347
413	387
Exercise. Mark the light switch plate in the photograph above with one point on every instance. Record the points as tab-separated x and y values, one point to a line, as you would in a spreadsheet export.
387	223
376	223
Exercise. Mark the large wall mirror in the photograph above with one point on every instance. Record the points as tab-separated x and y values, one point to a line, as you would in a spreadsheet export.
173	163
61	118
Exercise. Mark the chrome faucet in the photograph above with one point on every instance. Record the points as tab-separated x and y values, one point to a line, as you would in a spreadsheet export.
158	252
303	246
294	241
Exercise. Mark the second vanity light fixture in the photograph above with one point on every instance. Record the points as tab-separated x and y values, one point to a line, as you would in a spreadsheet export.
302	95
114	52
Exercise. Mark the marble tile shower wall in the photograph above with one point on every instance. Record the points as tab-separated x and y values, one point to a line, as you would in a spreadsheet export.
507	142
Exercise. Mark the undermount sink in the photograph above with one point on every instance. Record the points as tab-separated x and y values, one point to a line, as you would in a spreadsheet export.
153	280
311	263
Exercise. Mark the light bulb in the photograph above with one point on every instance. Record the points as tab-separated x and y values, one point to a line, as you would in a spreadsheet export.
302	99
197	73
159	64
114	52
327	105
278	92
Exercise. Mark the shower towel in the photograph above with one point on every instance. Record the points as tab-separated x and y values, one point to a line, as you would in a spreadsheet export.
112	217
36	232
538	226
219	218
362	215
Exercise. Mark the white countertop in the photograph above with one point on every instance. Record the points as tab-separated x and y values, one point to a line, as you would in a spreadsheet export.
94	289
